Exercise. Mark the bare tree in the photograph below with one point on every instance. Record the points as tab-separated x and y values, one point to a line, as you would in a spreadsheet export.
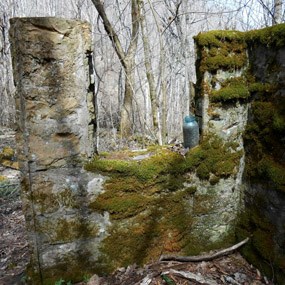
7	109
127	59
149	71
144	55
277	12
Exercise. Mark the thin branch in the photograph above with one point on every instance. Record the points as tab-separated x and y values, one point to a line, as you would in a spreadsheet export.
261	2
110	31
201	12
175	16
207	257
191	276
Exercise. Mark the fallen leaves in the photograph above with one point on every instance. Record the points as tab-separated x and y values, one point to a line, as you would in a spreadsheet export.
226	270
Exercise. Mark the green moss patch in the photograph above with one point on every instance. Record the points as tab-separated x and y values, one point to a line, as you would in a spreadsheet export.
221	50
218	38
263	139
272	171
7	158
78	268
67	229
149	200
260	87
164	170
233	88
50	201
261	249
162	227
226	50
271	36
7	153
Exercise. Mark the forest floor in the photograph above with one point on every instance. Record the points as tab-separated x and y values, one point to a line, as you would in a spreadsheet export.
14	254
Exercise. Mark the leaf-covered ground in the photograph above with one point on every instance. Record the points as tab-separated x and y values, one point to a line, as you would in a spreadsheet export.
14	253
232	269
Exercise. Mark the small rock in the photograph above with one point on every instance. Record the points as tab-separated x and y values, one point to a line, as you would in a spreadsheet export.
240	277
94	280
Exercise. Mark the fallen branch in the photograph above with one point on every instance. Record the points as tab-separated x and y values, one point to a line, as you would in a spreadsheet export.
192	277
206	257
146	281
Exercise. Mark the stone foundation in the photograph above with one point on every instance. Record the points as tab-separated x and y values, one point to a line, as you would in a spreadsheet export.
241	99
51	72
82	222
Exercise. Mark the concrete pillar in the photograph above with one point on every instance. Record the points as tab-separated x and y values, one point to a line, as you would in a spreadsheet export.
51	59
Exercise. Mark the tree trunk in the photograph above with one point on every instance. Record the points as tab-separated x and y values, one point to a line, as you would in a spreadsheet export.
277	12
162	127
127	60
126	122
149	73
7	102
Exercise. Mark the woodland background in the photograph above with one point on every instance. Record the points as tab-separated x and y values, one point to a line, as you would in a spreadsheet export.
144	58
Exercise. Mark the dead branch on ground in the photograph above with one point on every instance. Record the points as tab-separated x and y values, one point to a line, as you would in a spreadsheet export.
206	257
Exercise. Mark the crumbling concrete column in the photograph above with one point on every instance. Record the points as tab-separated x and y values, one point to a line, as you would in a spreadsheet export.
51	59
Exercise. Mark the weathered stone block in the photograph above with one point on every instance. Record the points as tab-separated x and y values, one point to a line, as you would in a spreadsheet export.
51	60
244	104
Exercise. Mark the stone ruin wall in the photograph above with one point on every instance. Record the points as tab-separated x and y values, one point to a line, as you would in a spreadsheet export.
51	61
241	98
264	175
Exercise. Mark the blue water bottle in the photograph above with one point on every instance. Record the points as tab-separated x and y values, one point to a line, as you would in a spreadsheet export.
190	132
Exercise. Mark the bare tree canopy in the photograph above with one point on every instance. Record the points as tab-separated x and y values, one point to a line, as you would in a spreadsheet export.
144	57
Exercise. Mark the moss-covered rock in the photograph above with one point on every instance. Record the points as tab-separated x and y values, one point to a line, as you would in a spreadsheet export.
221	50
149	201
271	36
233	88
255	76
263	139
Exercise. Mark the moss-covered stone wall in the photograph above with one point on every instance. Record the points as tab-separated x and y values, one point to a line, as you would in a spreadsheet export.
131	207
265	159
242	75
167	203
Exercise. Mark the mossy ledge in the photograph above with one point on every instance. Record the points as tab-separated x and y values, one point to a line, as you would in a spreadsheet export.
221	50
148	200
233	88
228	51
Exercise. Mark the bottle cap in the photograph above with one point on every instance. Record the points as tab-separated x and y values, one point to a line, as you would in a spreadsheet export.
189	119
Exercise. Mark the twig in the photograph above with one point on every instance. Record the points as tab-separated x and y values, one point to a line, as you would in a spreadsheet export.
206	257
192	277
146	281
